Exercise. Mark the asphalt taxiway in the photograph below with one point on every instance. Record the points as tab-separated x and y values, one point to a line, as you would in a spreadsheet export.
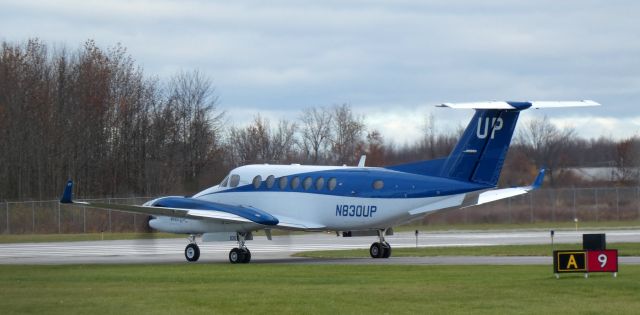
280	249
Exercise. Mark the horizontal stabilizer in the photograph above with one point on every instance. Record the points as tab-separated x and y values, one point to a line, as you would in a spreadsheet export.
519	105
497	194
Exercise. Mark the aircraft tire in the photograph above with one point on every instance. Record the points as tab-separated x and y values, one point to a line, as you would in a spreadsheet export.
236	256
192	252
246	256
376	250
386	250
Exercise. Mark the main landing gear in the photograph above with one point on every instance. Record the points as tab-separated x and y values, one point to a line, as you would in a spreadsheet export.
192	251
240	254
380	249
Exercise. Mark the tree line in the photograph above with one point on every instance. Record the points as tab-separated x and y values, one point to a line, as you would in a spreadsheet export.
93	115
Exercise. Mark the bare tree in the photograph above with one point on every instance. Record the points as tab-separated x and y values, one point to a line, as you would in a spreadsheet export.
315	132
375	149
628	161
545	144
258	143
346	136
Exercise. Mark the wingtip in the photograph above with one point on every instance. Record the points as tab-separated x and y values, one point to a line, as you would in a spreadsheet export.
537	183
67	194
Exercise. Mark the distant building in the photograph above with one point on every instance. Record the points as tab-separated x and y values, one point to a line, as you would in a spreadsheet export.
601	173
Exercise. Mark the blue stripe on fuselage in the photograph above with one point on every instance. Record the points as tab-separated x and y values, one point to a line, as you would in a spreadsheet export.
358	182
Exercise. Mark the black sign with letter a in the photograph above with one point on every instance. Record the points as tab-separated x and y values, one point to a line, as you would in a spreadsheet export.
569	261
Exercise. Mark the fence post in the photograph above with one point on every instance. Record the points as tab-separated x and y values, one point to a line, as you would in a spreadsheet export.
618	203
33	217
575	214
553	205
6	203
509	209
531	206
84	219
597	210
59	228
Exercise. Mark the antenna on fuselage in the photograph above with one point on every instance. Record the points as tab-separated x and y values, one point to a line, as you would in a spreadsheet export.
363	158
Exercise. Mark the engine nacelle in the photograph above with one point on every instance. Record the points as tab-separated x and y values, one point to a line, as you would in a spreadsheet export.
195	226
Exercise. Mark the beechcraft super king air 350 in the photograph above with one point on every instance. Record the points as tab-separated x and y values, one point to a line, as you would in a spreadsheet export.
354	200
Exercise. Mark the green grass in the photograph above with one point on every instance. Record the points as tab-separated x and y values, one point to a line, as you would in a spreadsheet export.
307	289
520	226
39	238
624	249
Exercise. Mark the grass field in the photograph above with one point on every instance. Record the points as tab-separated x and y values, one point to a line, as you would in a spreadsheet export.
591	225
624	249
305	289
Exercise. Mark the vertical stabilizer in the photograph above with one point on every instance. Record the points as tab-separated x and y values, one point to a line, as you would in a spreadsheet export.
480	153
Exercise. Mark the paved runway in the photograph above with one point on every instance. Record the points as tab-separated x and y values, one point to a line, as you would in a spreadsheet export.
280	249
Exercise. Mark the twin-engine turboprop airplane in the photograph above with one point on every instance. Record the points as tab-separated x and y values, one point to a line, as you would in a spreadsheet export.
355	200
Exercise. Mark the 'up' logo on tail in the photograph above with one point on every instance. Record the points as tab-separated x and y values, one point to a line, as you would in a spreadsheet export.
496	124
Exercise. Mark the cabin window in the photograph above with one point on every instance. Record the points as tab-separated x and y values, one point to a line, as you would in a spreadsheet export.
332	183
295	182
319	183
307	182
270	181
378	184
282	182
235	180
257	181
225	181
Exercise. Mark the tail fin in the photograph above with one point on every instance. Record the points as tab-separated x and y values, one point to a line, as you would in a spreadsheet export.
480	153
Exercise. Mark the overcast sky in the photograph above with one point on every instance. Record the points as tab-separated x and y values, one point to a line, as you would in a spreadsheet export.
391	60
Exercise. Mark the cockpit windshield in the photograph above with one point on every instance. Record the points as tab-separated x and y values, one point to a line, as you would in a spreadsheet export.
224	181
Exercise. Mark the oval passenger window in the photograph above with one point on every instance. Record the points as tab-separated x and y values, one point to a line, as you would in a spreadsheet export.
257	181
332	183
270	181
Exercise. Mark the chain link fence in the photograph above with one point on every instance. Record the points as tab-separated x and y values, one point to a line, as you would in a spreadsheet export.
543	205
47	217
551	205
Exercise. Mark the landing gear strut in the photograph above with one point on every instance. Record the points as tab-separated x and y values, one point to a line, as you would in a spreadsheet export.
240	254
380	249
192	251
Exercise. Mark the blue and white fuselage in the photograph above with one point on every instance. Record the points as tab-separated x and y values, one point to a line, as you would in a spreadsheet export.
337	198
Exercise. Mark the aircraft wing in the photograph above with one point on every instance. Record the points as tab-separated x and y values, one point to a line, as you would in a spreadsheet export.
286	223
497	194
184	208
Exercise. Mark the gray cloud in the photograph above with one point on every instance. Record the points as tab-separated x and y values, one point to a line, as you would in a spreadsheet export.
379	56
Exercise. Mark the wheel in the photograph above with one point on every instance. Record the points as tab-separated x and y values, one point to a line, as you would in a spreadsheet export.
247	255
376	250
192	252
386	253
236	256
